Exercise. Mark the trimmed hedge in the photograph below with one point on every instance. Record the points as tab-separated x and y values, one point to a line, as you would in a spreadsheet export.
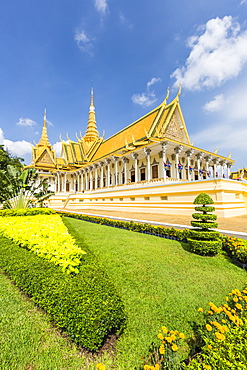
26	212
205	247
161	231
86	305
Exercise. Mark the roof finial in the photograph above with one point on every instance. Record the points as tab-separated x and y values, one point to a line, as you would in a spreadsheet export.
92	96
167	95
44	117
179	89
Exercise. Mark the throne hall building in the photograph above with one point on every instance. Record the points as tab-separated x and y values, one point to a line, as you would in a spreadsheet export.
150	166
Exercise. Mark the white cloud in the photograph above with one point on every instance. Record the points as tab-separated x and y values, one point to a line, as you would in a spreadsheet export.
18	148
243	2
219	102
144	99
84	42
101	5
26	122
223	136
153	81
57	147
217	55
147	98
124	21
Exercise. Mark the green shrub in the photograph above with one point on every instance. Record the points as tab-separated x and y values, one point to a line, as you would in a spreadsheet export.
86	305
203	240
223	338
203	235
227	354
205	247
26	212
236	248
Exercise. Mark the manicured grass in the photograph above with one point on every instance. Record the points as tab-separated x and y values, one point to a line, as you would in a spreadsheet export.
28	340
160	283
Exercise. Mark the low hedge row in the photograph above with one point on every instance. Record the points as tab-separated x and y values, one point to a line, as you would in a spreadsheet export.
86	305
26	212
229	244
161	231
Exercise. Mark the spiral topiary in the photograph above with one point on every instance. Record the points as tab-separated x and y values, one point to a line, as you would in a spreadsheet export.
203	240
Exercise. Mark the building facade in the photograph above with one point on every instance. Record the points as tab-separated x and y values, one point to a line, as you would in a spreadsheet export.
149	166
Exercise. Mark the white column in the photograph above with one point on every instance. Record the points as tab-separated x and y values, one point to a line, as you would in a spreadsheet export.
189	155
222	164
59	183
164	147
229	165
147	151
215	161
208	160
125	161
199	157
82	181
108	161
177	151
95	166
90	178
56	182
86	179
207	168
135	157
101	175
64	182
116	170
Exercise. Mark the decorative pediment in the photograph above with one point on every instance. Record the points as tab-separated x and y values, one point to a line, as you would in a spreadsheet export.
45	159
175	130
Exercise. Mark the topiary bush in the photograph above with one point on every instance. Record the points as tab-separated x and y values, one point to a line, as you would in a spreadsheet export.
203	240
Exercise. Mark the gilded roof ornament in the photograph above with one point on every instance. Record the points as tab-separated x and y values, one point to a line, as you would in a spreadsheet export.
91	132
167	95
44	137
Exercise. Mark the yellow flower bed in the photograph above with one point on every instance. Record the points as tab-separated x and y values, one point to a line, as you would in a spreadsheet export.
45	235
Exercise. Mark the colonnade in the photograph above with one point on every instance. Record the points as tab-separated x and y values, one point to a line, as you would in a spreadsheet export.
169	164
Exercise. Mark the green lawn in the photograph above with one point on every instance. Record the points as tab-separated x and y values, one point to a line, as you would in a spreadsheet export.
28	340
159	281
160	284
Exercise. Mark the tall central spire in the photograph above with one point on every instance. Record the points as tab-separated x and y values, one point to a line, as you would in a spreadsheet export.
44	137
91	132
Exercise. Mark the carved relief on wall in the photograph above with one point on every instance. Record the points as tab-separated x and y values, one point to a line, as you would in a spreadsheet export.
175	132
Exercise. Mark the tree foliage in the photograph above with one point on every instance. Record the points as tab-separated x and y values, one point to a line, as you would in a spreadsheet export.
21	188
6	159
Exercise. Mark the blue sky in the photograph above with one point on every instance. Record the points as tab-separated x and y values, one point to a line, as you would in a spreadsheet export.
132	50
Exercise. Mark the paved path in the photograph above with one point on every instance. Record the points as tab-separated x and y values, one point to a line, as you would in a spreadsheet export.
235	226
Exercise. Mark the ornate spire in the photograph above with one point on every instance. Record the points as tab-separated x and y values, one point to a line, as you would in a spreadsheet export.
44	137
91	132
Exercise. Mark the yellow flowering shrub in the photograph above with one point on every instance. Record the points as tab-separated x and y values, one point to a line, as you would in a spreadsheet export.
45	235
236	248
165	355
224	335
